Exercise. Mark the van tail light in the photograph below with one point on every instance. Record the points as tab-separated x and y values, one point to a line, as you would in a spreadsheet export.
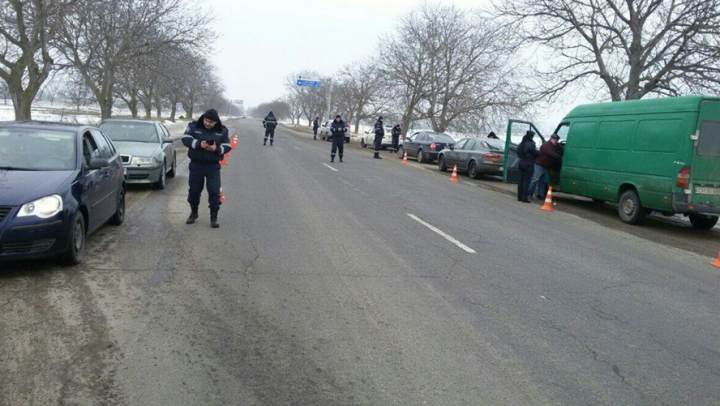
433	147
683	179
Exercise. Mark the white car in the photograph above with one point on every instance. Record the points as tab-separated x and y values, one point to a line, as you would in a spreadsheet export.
368	138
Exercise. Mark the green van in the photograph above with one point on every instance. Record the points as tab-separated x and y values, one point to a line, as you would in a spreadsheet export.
648	155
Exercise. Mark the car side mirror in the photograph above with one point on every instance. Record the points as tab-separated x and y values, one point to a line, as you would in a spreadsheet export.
99	163
168	140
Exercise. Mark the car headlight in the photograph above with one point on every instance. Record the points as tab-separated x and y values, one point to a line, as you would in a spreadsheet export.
43	208
138	160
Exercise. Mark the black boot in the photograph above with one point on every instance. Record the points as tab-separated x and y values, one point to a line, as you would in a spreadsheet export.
340	158
213	218
193	215
332	158
377	155
265	142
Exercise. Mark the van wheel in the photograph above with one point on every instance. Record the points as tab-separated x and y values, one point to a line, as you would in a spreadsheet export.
702	221
441	163
76	246
629	208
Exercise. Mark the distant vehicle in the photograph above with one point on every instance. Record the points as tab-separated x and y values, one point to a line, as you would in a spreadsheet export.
242	117
368	138
425	145
325	134
648	155
476	156
146	148
59	183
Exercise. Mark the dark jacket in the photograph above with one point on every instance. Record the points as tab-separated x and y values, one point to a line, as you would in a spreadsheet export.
316	124
270	121
396	131
379	128
338	129
527	151
548	158
196	132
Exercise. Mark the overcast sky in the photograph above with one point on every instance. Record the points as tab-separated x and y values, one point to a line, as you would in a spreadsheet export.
261	42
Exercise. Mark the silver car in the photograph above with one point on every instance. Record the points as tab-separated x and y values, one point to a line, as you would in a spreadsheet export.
146	148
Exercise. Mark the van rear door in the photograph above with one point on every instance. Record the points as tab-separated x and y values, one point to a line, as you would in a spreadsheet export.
705	168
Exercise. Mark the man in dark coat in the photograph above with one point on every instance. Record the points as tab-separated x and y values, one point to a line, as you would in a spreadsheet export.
316	125
338	130
207	141
546	160
270	122
396	132
492	135
379	134
527	152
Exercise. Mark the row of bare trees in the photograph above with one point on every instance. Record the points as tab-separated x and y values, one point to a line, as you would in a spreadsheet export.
466	70
147	53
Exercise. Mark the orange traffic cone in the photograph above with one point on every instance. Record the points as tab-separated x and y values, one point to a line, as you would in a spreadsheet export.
404	161
224	160
716	263
234	142
548	206
222	196
454	178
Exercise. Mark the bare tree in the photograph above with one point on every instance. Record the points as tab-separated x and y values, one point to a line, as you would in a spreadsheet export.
295	107
365	91
27	29
51	90
626	49
4	91
76	91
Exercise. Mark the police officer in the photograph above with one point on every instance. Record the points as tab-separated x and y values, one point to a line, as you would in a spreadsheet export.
207	141
270	122
316	125
379	134
396	132
338	130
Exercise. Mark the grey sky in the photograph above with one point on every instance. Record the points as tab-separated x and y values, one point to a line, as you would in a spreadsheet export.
263	41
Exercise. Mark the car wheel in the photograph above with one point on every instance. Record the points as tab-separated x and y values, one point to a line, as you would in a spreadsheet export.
629	208
702	221
472	170
76	246
173	167
401	153
160	184
441	163
119	216
421	156
362	143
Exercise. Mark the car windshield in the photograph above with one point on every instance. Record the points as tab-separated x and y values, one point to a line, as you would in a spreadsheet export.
130	132
440	138
495	145
37	149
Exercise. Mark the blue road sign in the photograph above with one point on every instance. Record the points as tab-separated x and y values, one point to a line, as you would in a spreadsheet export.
308	83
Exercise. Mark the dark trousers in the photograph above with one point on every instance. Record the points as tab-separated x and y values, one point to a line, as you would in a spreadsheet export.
314	133
199	173
338	144
526	174
395	143
378	142
270	132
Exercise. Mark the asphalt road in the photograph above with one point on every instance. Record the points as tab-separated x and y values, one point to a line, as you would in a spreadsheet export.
326	285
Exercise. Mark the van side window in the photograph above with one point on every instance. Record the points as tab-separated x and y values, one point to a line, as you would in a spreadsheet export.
562	131
709	143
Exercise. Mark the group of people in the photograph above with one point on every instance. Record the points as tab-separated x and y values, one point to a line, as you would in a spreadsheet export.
339	128
535	166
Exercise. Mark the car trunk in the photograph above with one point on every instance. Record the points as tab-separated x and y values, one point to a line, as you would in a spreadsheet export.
705	167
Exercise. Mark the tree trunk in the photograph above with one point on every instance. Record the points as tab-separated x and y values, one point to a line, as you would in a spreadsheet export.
173	109
357	126
106	108
148	110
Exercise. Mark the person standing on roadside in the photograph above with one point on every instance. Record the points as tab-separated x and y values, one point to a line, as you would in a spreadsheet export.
379	134
396	132
547	159
207	141
316	125
338	130
527	152
270	122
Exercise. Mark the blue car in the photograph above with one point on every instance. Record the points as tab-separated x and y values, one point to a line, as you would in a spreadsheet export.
58	184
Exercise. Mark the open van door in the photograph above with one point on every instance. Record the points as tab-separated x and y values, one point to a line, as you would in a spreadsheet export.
517	129
705	167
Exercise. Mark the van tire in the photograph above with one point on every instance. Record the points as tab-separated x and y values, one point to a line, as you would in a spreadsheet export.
629	208
702	221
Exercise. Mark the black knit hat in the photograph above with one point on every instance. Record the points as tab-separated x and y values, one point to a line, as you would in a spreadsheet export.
212	115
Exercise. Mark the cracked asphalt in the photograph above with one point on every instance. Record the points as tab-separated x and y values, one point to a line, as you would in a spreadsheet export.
319	289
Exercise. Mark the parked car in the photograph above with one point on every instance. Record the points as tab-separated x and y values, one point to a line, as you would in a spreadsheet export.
325	134
425	145
476	156
146	148
59	183
368	138
648	155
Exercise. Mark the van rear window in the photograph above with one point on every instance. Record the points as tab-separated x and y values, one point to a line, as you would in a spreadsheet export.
709	143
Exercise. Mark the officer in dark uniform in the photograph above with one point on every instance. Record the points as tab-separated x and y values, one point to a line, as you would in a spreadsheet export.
270	122
207	141
396	133
316	125
527	152
379	134
338	130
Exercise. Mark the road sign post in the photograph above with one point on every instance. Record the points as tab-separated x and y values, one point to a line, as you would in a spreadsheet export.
308	81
